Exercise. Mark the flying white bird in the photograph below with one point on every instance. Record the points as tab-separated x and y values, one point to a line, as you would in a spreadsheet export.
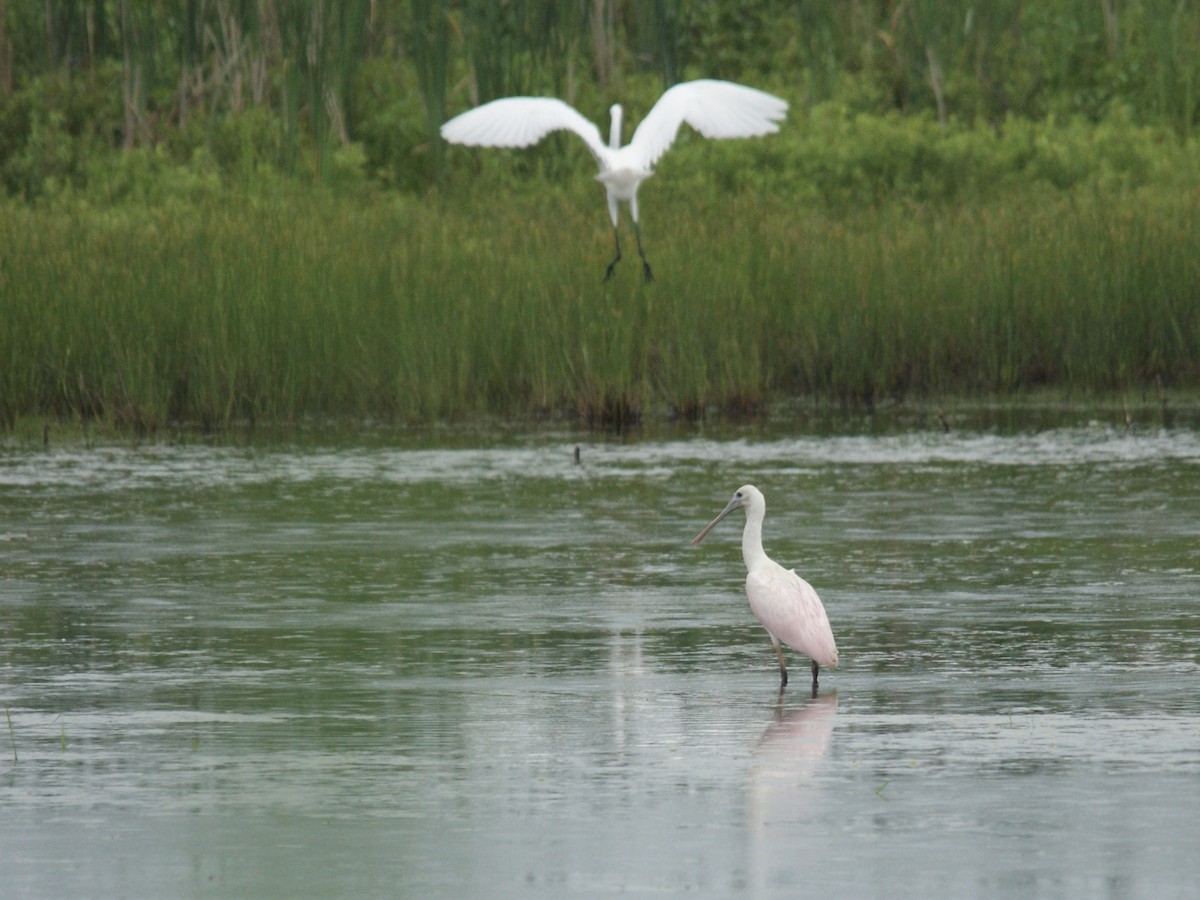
781	600
716	109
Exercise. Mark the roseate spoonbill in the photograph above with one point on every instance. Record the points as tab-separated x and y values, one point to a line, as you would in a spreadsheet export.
716	109
781	600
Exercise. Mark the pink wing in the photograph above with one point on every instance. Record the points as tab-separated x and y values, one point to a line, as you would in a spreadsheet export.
790	609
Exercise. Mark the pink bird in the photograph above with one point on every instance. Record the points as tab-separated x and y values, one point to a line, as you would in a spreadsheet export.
785	604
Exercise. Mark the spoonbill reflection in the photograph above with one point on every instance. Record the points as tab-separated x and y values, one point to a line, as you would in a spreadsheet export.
716	109
781	600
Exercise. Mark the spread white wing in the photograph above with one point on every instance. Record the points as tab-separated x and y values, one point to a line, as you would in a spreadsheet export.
716	109
520	122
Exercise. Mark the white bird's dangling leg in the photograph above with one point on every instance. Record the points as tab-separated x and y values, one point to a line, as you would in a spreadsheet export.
647	275
815	669
613	214
612	266
782	667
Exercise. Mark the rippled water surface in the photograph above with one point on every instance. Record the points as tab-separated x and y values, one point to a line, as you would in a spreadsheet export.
374	668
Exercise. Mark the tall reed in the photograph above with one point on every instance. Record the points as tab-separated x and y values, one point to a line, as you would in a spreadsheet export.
450	307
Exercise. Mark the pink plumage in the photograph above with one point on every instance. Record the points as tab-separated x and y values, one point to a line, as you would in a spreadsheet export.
781	600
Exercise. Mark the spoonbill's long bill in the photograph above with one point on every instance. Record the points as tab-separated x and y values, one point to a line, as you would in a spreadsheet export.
716	109
781	600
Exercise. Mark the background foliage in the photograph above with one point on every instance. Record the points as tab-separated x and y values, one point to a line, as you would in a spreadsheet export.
220	211
317	89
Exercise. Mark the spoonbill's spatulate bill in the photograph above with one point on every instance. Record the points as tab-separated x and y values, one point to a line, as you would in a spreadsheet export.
716	109
784	602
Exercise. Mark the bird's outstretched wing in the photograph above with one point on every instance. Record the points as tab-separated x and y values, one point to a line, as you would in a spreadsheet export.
520	122
716	109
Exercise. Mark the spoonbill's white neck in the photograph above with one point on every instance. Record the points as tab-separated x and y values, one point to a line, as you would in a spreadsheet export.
752	545
614	133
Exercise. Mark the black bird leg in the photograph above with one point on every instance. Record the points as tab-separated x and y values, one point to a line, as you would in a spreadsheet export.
647	275
612	266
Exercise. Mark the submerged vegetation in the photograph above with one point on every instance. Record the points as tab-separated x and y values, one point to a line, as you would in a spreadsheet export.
240	214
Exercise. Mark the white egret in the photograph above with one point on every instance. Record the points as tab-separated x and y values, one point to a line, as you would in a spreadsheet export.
716	109
781	600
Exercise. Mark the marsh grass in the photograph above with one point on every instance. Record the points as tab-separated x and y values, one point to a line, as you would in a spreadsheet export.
453	306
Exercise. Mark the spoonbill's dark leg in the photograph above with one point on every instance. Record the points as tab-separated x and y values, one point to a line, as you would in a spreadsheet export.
616	259
782	667
815	669
647	275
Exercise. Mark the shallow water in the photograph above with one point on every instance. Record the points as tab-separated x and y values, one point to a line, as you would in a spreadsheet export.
367	668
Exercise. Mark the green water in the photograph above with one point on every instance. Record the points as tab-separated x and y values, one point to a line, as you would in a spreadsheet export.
471	667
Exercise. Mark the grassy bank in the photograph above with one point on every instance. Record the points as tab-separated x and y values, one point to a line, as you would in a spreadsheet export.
445	307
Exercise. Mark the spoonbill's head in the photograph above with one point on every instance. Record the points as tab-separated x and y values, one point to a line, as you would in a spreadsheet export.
745	496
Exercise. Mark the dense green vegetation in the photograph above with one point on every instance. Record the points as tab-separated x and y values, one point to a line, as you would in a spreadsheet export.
396	306
232	211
